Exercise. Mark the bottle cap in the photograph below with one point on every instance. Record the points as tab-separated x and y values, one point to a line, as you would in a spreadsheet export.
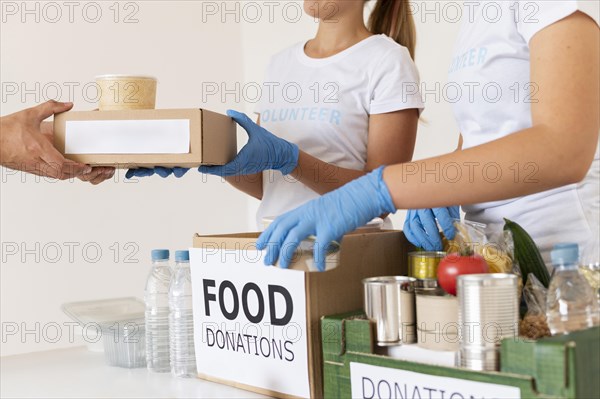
160	254
565	253
182	256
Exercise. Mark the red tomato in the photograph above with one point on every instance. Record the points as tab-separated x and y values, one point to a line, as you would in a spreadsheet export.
455	265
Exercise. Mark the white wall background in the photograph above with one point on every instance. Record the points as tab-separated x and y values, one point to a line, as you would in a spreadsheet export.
186	47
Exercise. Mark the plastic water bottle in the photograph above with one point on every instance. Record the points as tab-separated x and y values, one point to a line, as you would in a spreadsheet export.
571	303
181	321
157	312
590	264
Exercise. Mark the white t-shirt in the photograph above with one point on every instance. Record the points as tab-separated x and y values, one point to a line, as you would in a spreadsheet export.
491	66
323	106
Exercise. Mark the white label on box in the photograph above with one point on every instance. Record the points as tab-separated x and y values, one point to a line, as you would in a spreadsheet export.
250	321
371	382
162	136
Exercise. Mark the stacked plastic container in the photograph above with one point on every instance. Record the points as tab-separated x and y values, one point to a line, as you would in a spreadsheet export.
157	312
181	319
121	324
125	345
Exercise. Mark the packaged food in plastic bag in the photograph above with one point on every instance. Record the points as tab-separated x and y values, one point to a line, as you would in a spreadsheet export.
534	325
499	253
471	236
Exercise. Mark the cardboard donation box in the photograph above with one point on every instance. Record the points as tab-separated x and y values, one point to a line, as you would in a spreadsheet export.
257	327
146	138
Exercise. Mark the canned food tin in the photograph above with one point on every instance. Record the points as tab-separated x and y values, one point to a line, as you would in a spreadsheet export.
424	265
390	305
488	312
437	320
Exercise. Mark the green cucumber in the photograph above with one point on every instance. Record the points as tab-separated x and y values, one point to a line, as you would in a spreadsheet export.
527	254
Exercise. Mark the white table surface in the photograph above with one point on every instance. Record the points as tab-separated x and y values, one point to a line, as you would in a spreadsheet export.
79	373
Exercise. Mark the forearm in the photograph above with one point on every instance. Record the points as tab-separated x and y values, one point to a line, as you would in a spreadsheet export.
320	176
5	130
249	184
527	162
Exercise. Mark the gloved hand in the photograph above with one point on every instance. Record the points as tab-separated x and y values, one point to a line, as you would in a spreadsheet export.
264	151
328	218
162	172
421	229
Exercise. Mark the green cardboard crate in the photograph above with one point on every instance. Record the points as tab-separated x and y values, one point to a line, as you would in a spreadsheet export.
556	367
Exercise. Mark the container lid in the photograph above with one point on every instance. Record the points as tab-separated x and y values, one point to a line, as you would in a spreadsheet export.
182	256
565	253
124	76
106	311
160	254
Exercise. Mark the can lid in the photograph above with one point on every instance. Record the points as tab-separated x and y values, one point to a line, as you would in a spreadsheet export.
160	254
427	254
565	253
182	256
486	279
404	281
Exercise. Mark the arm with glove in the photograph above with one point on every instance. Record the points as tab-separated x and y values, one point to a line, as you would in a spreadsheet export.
264	151
391	140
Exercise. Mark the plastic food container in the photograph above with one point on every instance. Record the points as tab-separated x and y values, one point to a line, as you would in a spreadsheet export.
125	344
121	324
303	255
125	92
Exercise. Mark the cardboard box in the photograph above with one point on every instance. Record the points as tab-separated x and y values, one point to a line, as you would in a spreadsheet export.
555	367
257	327
146	138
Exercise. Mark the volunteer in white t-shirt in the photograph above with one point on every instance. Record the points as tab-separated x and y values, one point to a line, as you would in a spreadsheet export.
348	109
341	98
529	119
332	109
495	54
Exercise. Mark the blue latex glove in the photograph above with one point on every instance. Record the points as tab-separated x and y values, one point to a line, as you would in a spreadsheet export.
328	218
421	229
162	172
264	151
